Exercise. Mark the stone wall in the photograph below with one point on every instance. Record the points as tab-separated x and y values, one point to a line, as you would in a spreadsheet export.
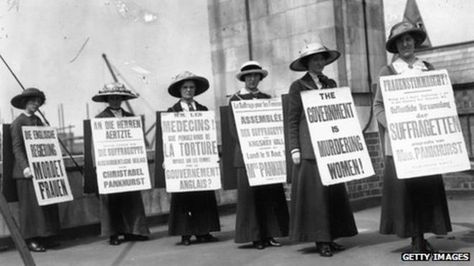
273	31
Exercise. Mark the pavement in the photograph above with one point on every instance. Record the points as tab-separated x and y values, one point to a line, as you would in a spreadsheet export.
367	248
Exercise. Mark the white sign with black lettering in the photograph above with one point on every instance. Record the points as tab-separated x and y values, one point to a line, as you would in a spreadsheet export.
46	164
120	155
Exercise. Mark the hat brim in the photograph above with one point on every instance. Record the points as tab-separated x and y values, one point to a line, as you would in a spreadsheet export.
241	75
19	101
298	65
102	97
418	34
202	84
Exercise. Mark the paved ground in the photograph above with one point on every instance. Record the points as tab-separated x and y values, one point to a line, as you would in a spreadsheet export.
367	248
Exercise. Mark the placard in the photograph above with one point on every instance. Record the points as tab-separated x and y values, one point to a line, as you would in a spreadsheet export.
423	124
120	155
46	164
338	142
259	125
191	156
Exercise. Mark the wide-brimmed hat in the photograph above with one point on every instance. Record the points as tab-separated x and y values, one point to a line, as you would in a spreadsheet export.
202	84
251	67
311	49
113	89
19	101
401	28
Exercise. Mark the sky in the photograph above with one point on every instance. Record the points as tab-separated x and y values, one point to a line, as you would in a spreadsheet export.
446	21
57	46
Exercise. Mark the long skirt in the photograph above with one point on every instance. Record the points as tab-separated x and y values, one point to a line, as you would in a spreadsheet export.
35	221
413	206
318	213
262	211
123	213
193	213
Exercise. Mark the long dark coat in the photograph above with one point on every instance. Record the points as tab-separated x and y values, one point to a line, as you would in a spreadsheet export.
410	207
122	213
262	211
193	213
35	221
318	213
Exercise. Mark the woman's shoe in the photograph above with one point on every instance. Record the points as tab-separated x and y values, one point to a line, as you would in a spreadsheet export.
273	243
258	244
114	240
428	247
35	246
207	238
132	237
186	240
420	245
324	249
336	247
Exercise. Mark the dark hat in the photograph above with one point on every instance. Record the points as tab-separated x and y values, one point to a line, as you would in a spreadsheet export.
250	67
19	101
202	84
113	89
311	49
401	28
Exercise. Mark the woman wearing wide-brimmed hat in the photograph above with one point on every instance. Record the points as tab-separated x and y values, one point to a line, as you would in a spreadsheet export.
37	223
414	206
122	214
318	213
191	213
262	212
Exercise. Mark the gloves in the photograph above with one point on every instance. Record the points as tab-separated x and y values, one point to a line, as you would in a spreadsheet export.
296	156
27	173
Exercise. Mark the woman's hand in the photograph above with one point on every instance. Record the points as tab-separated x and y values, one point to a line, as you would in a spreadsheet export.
27	173
296	157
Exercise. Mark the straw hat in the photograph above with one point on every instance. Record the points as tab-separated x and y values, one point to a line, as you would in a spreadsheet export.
202	84
19	101
113	89
250	67
311	49
400	29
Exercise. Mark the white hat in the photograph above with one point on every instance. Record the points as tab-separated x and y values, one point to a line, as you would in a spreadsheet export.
311	49
250	67
202	84
113	89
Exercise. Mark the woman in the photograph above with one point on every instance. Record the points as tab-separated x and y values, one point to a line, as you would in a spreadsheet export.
191	213
37	223
410	207
318	213
262	211
122	214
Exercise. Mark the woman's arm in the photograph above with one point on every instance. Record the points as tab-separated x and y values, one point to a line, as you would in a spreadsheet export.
294	114
379	109
18	146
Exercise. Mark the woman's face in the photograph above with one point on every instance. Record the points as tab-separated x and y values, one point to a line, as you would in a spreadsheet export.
251	81
187	90
316	63
114	101
405	46
33	104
